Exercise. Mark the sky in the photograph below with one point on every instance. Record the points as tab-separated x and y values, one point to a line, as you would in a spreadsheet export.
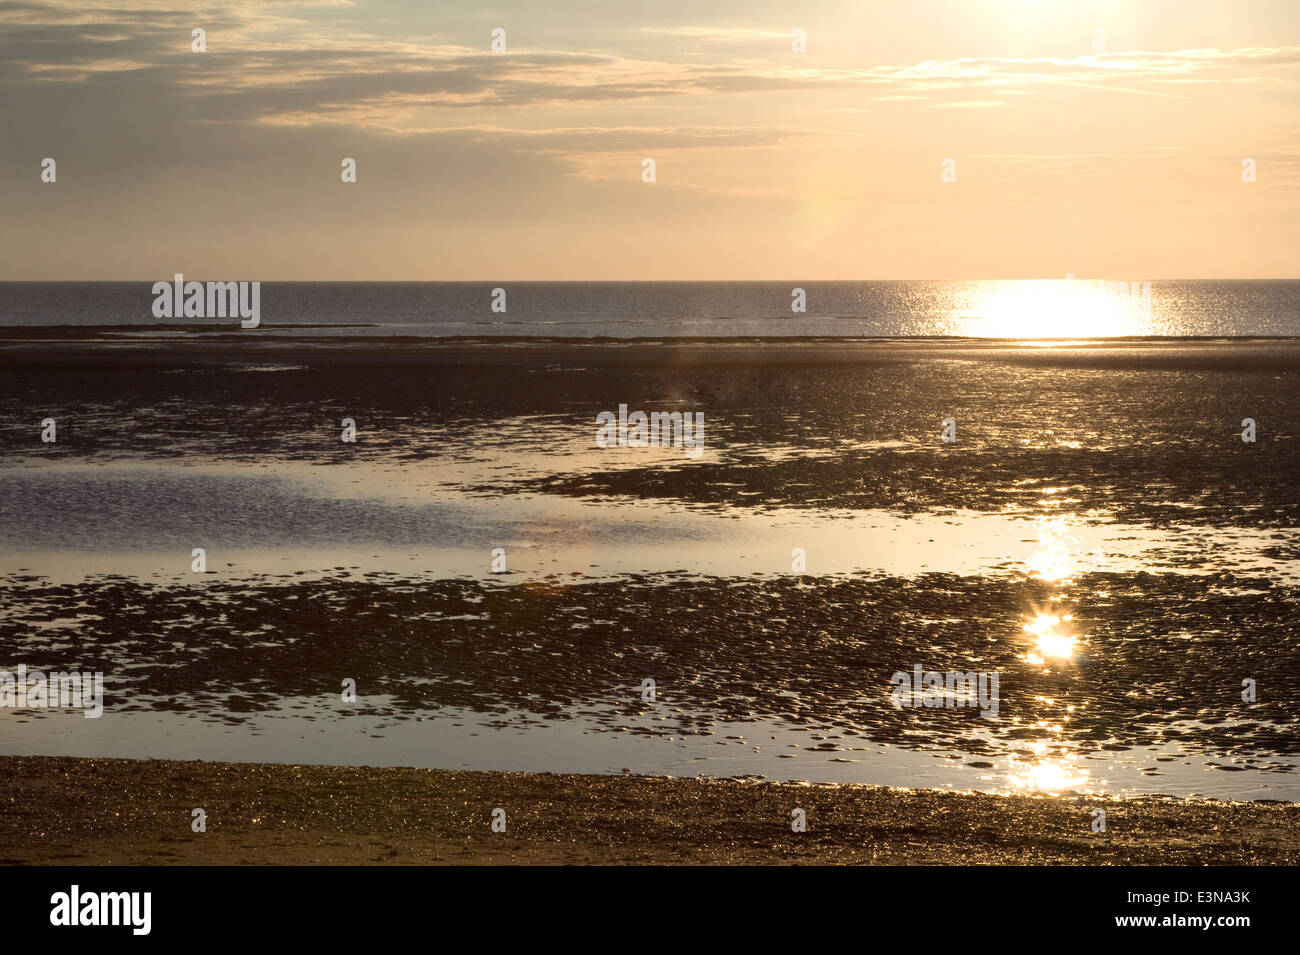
1096	139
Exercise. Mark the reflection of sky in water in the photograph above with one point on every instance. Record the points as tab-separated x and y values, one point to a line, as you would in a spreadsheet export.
1015	308
1046	774
1053	561
113	519
305	731
68	520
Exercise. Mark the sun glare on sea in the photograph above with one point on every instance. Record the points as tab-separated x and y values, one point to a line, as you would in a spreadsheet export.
1048	776
1056	559
1045	774
1049	640
1052	308
1053	560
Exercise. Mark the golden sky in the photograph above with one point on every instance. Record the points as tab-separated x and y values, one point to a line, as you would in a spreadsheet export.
1091	138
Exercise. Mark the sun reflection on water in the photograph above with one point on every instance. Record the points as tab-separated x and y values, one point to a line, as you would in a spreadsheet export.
1056	308
1054	560
1053	637
1048	776
1042	773
1049	641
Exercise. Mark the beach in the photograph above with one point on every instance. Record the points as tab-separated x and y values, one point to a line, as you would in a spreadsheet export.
476	589
648	435
132	812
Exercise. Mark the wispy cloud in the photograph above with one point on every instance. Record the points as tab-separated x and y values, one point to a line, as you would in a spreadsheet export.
266	65
967	104
721	34
791	158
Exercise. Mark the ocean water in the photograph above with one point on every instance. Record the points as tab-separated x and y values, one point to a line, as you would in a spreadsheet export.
1058	308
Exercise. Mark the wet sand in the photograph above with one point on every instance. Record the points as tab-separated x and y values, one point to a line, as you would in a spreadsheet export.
816	653
1138	431
64	811
1132	432
1127	432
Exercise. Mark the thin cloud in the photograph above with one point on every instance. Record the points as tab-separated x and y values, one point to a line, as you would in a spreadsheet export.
267	65
720	34
967	104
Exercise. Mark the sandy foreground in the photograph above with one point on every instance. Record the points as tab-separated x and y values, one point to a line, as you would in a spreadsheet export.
67	811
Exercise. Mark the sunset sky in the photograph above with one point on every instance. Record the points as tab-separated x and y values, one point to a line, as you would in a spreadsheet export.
771	164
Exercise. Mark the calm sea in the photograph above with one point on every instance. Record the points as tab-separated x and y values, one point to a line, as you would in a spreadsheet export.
1065	308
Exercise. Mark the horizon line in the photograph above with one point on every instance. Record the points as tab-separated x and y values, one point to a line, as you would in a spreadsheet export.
783	281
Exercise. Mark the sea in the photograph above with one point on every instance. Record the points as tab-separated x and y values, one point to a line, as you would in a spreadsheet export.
1045	308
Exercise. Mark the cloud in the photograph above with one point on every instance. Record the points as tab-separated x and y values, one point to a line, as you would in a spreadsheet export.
273	63
967	104
720	34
